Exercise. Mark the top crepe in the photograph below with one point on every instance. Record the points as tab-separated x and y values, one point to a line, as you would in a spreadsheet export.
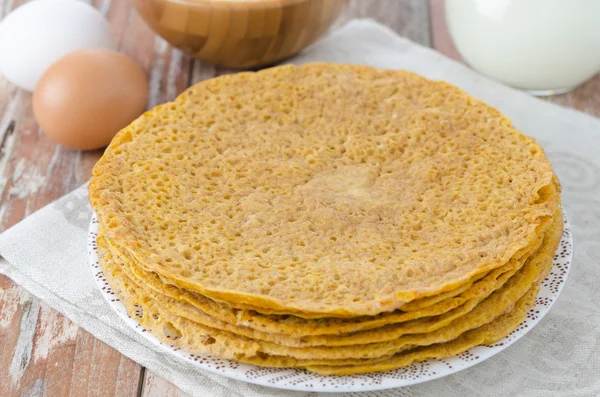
332	189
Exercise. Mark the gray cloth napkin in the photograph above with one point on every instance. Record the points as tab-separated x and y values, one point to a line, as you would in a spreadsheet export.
47	252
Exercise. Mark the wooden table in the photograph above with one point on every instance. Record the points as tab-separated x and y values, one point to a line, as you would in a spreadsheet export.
42	352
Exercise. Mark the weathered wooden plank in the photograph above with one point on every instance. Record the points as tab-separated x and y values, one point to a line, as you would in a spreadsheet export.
440	38
106	365
155	386
201	71
54	344
94	362
408	18
129	379
16	342
585	97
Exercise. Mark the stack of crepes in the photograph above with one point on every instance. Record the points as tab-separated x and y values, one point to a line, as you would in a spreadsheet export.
337	218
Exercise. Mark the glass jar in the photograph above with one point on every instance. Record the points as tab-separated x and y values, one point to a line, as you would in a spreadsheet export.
540	46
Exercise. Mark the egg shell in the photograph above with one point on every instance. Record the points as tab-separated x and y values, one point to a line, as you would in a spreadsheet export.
38	33
87	96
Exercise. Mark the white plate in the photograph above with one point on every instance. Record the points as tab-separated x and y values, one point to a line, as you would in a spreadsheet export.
294	379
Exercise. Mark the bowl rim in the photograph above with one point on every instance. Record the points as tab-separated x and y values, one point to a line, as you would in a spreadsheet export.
244	4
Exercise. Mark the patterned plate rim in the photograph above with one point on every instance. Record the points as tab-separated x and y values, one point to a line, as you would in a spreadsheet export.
301	380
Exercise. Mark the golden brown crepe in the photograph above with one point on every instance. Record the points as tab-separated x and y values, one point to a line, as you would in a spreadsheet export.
331	190
337	218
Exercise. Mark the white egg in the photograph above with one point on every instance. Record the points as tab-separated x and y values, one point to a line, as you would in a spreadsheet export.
38	33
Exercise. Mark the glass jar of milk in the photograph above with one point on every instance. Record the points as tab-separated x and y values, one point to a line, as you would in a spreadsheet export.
541	46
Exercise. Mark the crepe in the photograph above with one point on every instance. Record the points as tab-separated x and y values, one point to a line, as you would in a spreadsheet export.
337	218
295	326
230	345
299	331
175	331
164	329
486	334
491	332
322	190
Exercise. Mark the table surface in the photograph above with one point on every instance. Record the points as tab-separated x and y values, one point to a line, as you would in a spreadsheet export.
41	351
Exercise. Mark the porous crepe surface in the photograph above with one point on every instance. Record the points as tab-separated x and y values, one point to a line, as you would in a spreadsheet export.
488	333
296	327
551	193
335	189
224	317
375	335
165	327
229	345
294	323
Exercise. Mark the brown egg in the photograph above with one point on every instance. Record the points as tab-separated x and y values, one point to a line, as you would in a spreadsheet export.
86	97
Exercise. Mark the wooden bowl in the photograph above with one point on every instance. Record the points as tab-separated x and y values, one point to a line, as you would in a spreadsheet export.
240	33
